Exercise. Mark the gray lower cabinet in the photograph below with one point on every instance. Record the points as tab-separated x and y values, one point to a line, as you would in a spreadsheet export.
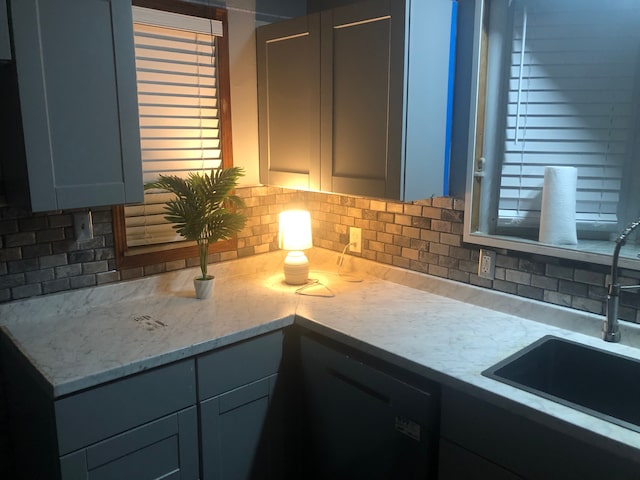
481	440
385	97
76	141
5	41
214	416
240	404
143	426
364	422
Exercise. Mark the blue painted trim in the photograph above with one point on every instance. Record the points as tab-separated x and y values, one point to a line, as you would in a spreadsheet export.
452	71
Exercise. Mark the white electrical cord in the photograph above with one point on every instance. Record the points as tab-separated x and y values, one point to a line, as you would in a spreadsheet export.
313	282
347	277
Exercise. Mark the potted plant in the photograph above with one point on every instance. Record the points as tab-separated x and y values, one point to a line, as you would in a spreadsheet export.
204	210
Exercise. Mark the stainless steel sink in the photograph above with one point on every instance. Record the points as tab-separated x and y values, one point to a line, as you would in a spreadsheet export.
594	381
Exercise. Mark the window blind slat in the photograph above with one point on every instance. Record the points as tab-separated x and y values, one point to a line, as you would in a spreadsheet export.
173	154
178	122
159	66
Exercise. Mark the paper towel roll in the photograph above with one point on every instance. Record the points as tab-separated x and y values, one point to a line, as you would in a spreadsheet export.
558	212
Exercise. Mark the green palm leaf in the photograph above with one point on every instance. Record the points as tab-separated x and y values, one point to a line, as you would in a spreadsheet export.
204	208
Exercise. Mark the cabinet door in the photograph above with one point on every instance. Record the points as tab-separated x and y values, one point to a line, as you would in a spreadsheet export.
361	106
288	55
5	42
241	433
364	423
455	463
163	449
77	85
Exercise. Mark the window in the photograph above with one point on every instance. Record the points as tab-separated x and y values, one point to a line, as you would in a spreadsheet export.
183	92
562	88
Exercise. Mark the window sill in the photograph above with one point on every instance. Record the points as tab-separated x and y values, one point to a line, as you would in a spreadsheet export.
591	251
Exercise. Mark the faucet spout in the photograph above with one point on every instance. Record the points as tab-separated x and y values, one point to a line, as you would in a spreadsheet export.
610	328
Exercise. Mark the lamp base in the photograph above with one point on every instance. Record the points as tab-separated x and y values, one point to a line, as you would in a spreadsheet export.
296	268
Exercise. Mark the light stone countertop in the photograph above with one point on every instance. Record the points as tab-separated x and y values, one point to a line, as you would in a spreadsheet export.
445	330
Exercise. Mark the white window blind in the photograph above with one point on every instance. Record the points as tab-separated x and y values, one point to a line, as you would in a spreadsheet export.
570	103
178	108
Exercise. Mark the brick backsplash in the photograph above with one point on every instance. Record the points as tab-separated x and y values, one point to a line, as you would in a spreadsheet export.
38	253
426	236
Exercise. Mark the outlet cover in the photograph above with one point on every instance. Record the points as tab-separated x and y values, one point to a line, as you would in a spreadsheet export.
487	264
355	239
83	226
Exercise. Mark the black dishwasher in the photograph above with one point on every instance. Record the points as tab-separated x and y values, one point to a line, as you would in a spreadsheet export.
365	419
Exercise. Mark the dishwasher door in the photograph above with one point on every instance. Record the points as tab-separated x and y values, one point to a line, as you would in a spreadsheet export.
362	422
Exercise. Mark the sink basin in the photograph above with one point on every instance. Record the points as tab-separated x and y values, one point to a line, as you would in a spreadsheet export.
594	381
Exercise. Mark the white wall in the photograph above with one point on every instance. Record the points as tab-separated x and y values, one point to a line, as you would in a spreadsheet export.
244	16
244	100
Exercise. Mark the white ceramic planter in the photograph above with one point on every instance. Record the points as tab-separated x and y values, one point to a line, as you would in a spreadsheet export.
204	288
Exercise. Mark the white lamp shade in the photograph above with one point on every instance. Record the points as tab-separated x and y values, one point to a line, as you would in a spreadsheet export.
295	235
295	230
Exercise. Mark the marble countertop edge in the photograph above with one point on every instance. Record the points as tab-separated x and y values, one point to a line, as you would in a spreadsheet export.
74	385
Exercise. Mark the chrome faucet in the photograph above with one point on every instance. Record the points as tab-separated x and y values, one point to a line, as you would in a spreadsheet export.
610	329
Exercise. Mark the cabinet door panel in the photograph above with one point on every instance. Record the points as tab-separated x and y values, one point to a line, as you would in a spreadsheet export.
455	463
362	85
76	77
237	434
289	102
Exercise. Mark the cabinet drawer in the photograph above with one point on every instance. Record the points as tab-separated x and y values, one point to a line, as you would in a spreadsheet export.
239	364
99	413
163	449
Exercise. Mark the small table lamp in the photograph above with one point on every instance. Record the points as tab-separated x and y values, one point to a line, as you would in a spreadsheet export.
295	235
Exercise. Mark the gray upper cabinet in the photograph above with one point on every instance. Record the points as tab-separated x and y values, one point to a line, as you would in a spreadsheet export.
289	102
5	43
77	89
385	98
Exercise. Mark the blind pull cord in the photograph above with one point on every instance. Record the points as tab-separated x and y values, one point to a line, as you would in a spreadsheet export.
524	42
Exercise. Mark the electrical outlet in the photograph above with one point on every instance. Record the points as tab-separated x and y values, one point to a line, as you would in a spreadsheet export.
83	226
355	239
487	264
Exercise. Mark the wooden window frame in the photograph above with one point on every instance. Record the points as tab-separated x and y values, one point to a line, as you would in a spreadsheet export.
126	257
